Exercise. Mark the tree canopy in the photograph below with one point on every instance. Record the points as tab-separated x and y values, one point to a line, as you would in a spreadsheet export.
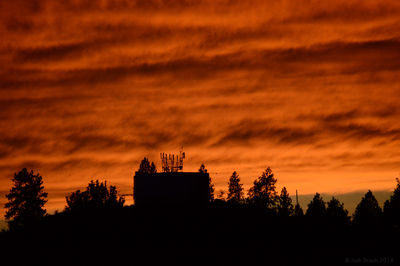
202	168
235	188
336	212
211	187
368	212
285	206
391	208
316	208
97	195
26	199
263	192
298	211
146	167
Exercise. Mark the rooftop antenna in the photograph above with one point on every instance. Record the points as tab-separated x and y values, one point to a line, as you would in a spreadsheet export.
172	162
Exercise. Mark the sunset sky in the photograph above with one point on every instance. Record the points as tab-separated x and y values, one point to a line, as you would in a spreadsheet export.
309	88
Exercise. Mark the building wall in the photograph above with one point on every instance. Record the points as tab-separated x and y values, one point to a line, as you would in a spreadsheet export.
171	188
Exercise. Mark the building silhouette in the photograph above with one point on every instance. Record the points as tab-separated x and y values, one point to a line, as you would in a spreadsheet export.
171	188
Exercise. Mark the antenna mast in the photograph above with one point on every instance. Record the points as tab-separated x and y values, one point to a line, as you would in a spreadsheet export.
172	162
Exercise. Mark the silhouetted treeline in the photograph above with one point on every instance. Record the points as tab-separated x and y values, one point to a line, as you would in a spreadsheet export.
262	228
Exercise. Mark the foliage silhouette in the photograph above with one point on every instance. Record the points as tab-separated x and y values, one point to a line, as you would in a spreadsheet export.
368	213
391	207
316	209
25	200
202	169
263	191
235	188
298	211
147	168
221	195
285	206
211	187
336	212
159	236
97	195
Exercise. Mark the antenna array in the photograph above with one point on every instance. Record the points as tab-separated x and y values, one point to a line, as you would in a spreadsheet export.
172	162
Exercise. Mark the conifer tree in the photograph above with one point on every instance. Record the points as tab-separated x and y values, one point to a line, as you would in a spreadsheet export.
285	206
368	213
316	208
391	208
211	187
26	199
235	188
263	191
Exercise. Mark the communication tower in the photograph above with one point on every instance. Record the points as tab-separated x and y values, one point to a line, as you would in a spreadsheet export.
172	162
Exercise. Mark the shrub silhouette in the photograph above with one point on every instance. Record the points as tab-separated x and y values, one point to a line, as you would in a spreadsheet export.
25	200
97	195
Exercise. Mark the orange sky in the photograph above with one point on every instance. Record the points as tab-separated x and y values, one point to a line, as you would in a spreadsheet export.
310	88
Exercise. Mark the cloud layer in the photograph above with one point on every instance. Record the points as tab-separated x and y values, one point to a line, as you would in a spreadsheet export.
310	88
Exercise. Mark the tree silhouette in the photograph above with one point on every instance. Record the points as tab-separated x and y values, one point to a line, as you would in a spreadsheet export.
298	211
221	195
202	169
367	213
263	191
25	200
235	189
211	187
285	206
316	208
147	168
97	195
391	208
336	212
153	168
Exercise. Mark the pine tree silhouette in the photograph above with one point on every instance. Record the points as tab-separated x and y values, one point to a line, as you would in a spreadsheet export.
25	200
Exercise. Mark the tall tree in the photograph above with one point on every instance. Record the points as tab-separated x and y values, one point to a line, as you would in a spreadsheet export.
285	206
153	168
263	191
147	168
336	212
298	211
97	195
391	208
235	188
316	208
211	187
26	199
368	212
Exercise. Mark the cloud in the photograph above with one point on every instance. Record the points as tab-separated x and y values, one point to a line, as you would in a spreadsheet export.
314	61
51	53
248	131
309	88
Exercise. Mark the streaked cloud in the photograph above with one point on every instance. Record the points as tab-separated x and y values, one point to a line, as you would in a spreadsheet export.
310	88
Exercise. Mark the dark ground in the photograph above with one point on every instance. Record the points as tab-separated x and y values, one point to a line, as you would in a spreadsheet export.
214	235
